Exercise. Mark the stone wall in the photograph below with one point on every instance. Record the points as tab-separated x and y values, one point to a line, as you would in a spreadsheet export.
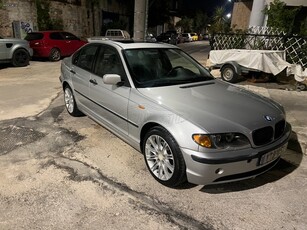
16	10
77	15
73	16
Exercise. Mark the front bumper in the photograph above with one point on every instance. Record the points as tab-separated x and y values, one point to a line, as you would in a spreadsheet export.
204	170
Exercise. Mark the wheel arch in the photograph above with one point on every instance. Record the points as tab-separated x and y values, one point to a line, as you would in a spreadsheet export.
66	84
20	48
234	64
16	47
145	129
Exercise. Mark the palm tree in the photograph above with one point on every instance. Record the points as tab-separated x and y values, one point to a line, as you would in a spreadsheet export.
219	24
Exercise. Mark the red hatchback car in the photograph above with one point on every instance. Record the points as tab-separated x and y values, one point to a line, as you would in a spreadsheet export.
53	44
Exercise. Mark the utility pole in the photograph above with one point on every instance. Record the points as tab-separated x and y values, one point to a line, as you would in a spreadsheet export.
140	19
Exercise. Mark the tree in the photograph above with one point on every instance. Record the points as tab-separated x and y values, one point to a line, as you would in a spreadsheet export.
281	17
200	22
219	23
44	21
303	27
185	23
43	16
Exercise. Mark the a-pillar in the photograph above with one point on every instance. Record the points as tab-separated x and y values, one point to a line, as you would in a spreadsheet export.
140	19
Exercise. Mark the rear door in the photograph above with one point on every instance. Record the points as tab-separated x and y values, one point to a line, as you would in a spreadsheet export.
57	40
72	43
81	73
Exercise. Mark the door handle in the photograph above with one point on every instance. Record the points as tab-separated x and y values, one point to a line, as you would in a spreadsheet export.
72	71
93	81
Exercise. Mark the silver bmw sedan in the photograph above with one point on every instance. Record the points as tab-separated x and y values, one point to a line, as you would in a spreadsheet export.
189	126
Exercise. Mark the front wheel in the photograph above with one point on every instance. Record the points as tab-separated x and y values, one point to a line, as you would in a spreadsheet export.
163	157
20	58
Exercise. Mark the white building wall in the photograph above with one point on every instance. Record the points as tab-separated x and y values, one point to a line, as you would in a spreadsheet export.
258	18
257	14
291	2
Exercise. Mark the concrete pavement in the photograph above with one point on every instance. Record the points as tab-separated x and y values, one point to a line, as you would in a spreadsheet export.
27	91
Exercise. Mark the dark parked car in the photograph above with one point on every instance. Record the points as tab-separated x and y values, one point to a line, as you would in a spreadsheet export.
15	51
169	37
53	44
188	125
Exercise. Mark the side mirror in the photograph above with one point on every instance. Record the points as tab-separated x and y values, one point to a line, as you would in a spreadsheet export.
111	79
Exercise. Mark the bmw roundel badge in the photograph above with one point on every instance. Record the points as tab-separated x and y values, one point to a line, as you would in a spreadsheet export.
268	118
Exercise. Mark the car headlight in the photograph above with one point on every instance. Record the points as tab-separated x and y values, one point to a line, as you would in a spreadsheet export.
222	140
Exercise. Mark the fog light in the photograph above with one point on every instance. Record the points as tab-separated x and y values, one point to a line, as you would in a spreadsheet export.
219	171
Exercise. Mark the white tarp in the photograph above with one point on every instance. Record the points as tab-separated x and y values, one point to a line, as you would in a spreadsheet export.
268	61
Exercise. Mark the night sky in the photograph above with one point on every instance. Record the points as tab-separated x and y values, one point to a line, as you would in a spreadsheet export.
207	5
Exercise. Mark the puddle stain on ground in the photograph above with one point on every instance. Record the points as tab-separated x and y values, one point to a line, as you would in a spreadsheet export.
13	136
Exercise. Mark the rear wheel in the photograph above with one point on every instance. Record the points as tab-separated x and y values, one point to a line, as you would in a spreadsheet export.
229	74
163	157
55	54
20	58
70	102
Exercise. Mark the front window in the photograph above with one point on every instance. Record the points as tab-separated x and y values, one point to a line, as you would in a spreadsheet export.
108	62
69	36
156	67
56	36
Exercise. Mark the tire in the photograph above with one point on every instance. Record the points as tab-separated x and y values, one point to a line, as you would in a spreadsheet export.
301	87
55	54
163	157
70	103
229	74
20	58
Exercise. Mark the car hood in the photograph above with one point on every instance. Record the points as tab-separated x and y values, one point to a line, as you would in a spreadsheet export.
216	106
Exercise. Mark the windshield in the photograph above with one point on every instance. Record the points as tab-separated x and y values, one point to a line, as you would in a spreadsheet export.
156	67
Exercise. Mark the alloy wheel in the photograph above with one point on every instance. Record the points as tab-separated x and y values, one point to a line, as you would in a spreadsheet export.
159	157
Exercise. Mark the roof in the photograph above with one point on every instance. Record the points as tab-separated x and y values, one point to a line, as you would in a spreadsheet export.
134	45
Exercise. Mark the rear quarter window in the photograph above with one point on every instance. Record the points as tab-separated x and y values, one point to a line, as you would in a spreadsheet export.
34	36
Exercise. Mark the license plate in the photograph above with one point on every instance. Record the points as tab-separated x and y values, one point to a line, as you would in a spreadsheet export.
271	156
